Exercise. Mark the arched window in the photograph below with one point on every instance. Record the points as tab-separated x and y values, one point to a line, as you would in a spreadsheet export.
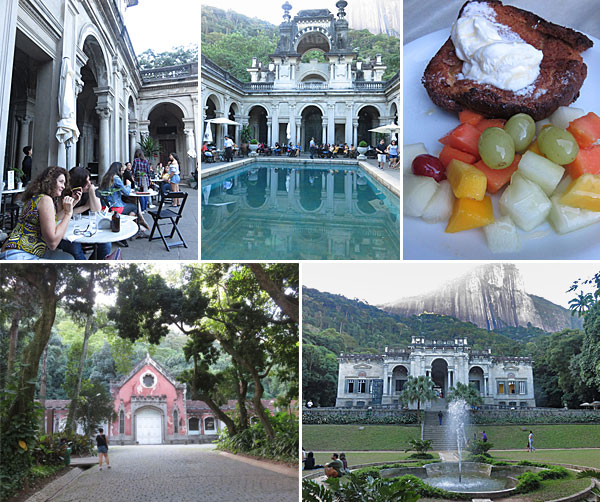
121	422
175	421
194	424
209	424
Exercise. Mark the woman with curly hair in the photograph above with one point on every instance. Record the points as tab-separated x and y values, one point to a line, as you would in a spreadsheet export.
174	178
44	219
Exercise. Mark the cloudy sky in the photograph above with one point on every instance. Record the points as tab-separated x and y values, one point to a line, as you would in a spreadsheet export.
379	283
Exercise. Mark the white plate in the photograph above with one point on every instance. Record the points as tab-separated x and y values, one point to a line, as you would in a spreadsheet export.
425	123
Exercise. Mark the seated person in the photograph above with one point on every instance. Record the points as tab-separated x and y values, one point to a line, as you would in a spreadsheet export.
334	469
80	179
207	154
345	462
112	183
165	183
352	152
309	462
346	150
44	219
277	149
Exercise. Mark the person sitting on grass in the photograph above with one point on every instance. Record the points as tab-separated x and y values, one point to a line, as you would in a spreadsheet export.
345	462
309	462
335	468
102	443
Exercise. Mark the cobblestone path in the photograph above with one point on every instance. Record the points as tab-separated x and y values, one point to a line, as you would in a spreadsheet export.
167	473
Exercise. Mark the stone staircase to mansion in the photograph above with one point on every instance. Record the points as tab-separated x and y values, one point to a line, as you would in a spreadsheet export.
432	430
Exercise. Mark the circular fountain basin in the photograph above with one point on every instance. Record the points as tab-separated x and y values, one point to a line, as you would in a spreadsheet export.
476	479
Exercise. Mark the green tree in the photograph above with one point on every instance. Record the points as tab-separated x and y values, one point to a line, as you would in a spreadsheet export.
418	389
95	406
467	392
319	375
179	55
581	303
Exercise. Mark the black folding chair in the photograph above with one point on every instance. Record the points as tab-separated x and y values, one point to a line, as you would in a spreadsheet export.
172	214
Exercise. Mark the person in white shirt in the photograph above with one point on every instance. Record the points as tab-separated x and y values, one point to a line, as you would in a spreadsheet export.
228	144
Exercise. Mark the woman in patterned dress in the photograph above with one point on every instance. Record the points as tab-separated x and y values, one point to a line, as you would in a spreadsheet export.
41	225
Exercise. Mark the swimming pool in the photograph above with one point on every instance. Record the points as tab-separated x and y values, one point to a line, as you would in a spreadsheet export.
298	211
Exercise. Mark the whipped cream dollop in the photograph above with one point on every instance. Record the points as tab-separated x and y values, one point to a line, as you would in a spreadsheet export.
492	53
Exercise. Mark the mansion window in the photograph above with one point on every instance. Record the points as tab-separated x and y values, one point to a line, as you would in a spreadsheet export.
511	387
350	386
501	387
523	387
400	385
121	422
362	386
148	380
175	422
209	424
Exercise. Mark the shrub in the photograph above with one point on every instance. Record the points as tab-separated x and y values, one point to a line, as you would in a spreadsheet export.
554	472
486	459
374	490
340	417
480	447
425	490
254	141
514	417
362	144
589	473
49	450
423	456
528	482
419	445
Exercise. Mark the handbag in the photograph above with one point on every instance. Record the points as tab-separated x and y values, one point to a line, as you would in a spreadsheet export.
114	255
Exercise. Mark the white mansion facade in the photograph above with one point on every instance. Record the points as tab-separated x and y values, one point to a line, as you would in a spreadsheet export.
372	380
71	61
337	101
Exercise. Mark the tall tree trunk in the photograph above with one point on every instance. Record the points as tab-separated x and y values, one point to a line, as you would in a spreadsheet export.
32	353
43	386
242	392
289	306
90	328
14	340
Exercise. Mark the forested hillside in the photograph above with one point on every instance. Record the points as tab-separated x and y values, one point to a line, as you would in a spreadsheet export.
231	40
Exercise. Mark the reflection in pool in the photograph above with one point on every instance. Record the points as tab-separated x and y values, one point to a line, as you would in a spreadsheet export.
298	213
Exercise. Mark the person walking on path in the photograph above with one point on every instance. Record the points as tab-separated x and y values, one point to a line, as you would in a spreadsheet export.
484	437
530	442
174	171
381	157
228	144
440	416
102	447
312	148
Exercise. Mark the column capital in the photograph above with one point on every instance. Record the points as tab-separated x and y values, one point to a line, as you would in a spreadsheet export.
103	112
24	119
188	132
331	106
132	132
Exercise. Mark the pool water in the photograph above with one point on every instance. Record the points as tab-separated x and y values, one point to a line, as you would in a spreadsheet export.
298	211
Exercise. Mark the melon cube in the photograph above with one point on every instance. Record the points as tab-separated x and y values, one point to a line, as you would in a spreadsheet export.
541	171
563	185
540	124
564	115
502	236
409	152
583	192
418	191
469	213
466	180
525	202
440	205
565	219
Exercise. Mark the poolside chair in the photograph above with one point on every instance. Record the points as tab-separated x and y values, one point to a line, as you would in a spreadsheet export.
164	211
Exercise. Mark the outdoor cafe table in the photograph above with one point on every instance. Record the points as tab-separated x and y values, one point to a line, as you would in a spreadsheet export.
12	194
137	195
102	235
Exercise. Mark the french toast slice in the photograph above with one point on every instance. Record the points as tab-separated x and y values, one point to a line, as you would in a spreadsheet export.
562	70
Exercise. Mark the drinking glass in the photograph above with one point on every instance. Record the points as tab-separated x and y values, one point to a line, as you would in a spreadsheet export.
93	221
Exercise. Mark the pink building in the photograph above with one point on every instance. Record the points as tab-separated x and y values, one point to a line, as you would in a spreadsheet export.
151	407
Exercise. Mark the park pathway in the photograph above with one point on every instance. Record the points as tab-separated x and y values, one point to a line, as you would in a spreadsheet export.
185	473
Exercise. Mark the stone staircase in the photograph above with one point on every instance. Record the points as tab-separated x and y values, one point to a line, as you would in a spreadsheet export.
438	434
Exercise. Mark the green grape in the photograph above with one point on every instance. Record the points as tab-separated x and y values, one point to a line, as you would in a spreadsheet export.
521	128
558	145
497	148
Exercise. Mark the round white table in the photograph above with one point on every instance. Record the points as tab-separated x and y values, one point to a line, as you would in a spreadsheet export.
102	235
12	193
138	195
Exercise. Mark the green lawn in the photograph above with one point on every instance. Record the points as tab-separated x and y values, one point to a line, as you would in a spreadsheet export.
590	458
338	438
361	457
394	437
514	437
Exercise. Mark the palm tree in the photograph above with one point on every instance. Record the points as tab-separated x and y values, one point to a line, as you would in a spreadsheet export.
418	389
580	304
467	392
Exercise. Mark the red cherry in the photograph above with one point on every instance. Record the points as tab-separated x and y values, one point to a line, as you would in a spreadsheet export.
428	165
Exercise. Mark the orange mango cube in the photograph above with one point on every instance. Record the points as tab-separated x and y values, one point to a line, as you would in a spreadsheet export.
469	213
466	180
583	192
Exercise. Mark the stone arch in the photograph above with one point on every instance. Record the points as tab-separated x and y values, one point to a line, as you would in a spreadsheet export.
439	374
394	112
257	121
399	378
368	118
167	100
217	102
131	108
193	425
210	424
311	199
313	72
313	37
138	425
477	378
318	105
166	124
90	35
312	125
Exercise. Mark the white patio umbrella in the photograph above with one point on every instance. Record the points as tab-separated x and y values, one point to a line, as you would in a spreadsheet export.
208	134
595	404
585	404
287	132
67	131
223	120
389	128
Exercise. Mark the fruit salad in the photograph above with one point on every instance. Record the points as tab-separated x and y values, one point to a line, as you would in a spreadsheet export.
544	171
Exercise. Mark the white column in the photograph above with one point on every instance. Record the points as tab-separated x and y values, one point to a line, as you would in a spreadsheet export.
292	122
355	132
275	126
103	140
132	144
8	32
324	134
330	123
298	131
348	132
269	130
189	145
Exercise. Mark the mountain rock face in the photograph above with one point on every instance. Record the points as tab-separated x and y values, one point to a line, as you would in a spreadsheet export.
377	16
492	297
